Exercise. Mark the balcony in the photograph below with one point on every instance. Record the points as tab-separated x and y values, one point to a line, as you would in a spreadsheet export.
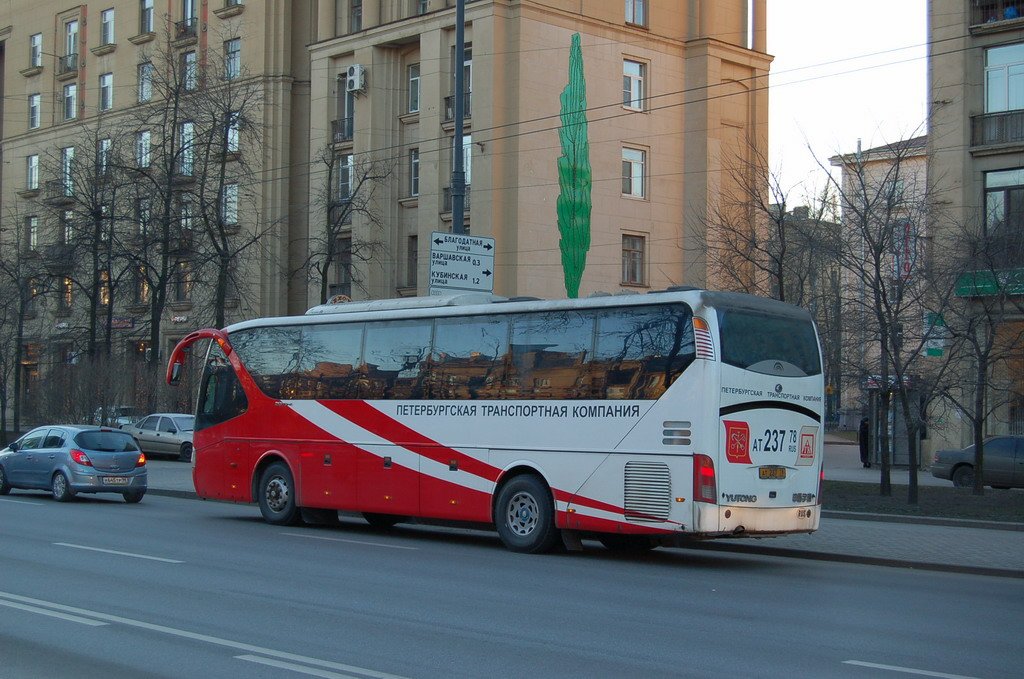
186	31
341	130
67	66
231	8
58	191
994	129
996	15
449	107
446	199
59	257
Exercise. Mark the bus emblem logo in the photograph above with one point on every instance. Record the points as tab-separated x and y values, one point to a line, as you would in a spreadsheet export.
737	442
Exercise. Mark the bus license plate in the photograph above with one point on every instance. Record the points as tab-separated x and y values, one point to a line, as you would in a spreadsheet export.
116	480
771	472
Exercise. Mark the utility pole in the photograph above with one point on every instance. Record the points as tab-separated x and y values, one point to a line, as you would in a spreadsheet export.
458	164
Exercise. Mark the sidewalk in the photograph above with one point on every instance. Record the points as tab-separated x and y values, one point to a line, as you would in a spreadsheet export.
954	546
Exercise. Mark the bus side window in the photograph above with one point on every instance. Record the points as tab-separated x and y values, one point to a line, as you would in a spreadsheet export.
222	396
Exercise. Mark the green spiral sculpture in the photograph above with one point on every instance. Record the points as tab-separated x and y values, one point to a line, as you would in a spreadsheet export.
574	175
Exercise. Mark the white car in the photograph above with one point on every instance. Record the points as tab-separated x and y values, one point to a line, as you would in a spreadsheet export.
164	434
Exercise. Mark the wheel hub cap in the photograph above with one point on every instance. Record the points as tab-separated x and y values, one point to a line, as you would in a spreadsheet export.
277	494
522	514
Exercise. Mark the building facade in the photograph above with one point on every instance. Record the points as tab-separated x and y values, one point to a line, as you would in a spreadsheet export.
675	94
976	154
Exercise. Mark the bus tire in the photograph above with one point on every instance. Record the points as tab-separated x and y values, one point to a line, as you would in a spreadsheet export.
382	521
525	515
276	494
614	542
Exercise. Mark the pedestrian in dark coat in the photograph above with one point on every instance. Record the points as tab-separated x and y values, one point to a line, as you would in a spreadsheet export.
862	438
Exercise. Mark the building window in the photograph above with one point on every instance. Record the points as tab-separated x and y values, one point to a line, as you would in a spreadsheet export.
32	172
355	16
143	216
186	157
32	232
33	111
633	260
35	50
229	204
634	76
412	260
186	213
414	172
636	12
70	101
67	227
141	287
346	170
71	39
107	27
414	88
1004	216
467	156
232	132
1004	78
181	282
143	155
189	74
106	91
67	293
145	16
232	58
105	287
103	157
633	163
421	6
188	9
67	166
342	267
145	82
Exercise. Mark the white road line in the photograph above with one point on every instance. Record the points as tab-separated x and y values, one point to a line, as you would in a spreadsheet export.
53	614
906	670
354	542
194	636
294	668
20	502
114	551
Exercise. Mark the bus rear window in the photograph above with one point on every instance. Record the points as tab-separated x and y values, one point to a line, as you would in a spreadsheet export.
769	344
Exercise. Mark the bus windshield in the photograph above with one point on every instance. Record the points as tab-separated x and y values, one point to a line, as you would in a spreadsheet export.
767	343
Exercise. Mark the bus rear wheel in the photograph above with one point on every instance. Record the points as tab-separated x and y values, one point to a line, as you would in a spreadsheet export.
525	515
277	495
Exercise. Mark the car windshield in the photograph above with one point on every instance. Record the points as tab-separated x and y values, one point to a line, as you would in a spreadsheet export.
106	441
185	422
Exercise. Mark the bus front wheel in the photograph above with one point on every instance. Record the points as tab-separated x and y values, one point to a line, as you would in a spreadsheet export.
525	515
277	495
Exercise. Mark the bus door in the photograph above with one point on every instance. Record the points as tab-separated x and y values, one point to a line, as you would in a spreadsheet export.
219	452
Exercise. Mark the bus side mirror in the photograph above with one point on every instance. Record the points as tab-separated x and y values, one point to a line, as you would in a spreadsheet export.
175	373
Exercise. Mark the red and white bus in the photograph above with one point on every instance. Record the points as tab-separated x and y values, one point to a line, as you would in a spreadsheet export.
635	419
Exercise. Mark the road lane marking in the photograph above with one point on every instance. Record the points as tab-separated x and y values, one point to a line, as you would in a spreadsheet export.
53	614
906	670
294	668
114	551
20	502
354	542
195	636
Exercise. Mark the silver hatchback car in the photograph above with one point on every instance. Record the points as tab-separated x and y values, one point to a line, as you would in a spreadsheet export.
71	459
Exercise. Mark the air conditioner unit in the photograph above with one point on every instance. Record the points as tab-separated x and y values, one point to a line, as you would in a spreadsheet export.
355	80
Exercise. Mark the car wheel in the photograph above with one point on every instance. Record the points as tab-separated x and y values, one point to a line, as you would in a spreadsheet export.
61	488
963	476
134	497
627	543
383	521
5	487
185	454
277	496
525	515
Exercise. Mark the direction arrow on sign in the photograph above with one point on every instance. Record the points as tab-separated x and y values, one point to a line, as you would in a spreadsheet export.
461	262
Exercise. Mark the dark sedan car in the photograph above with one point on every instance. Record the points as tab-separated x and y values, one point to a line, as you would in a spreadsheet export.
1003	463
70	459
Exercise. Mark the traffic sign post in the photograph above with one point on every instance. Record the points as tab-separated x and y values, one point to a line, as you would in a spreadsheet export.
461	263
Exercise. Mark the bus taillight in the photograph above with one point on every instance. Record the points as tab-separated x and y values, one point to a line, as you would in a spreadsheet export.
821	482
704	486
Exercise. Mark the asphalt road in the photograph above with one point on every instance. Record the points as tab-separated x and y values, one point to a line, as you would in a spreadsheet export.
180	588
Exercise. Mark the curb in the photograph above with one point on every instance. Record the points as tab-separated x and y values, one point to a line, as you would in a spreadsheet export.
854	558
923	520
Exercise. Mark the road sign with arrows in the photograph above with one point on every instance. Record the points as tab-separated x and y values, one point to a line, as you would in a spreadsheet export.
461	262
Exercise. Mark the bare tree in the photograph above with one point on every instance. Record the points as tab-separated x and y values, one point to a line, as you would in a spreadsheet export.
348	190
984	263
